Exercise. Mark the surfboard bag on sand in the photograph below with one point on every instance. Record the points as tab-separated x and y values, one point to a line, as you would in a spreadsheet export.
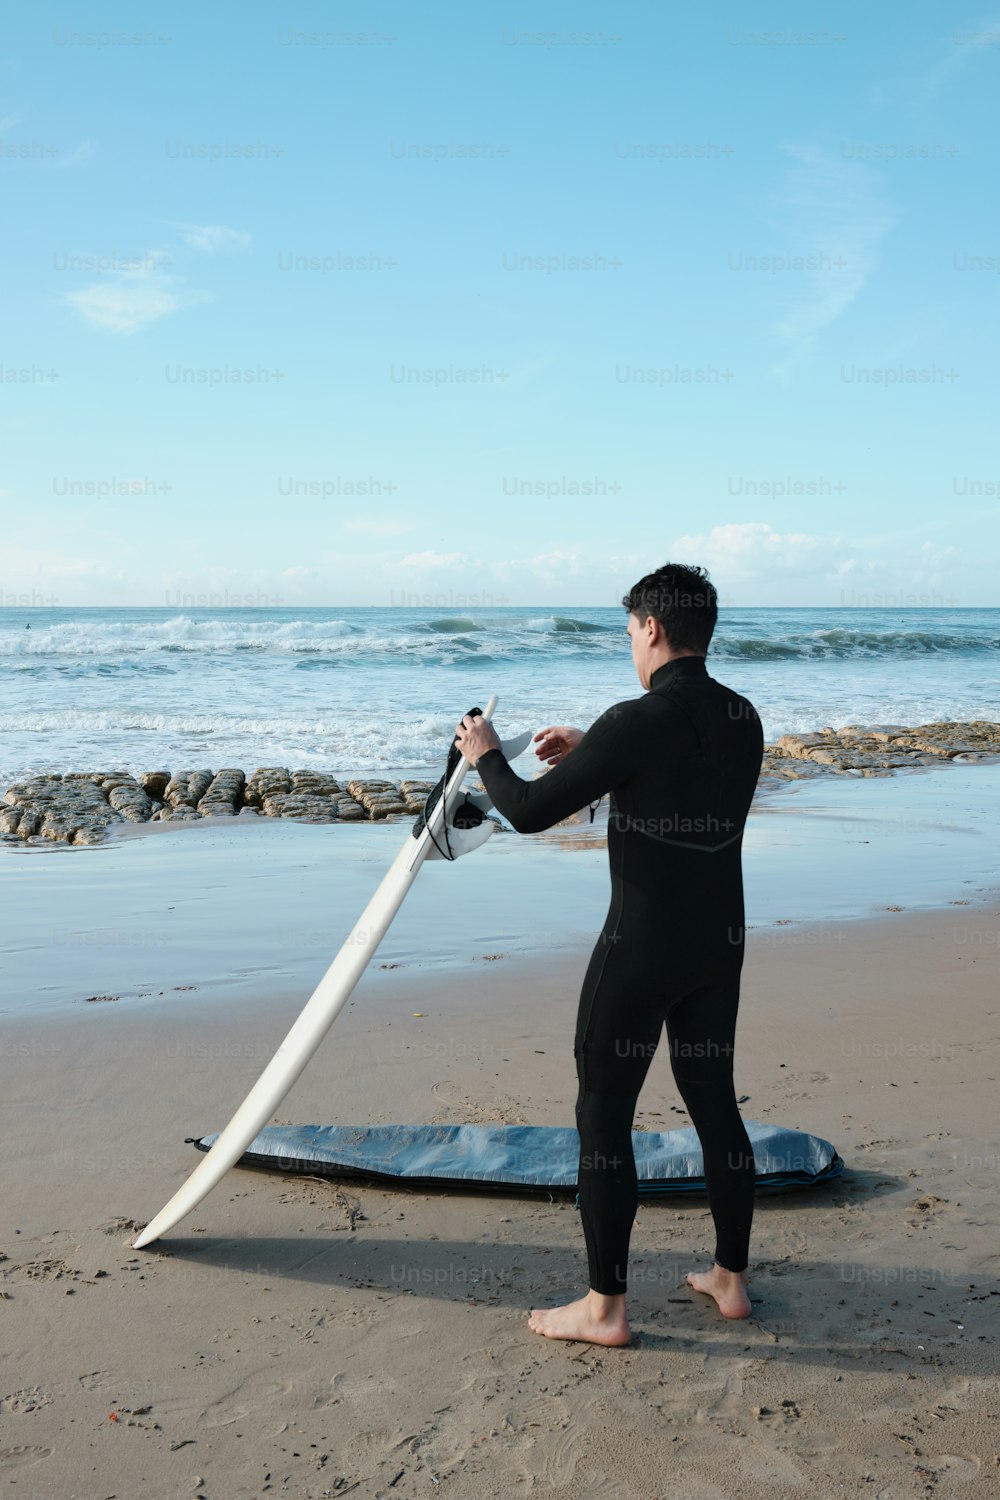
526	1158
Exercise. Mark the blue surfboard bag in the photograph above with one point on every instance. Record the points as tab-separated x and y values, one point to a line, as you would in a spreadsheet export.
525	1158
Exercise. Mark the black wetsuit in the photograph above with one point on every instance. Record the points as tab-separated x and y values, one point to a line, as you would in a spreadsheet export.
681	764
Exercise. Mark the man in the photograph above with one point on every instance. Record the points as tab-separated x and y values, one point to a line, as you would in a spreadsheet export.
681	764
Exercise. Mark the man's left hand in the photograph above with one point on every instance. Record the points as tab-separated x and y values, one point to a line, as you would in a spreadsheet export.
474	736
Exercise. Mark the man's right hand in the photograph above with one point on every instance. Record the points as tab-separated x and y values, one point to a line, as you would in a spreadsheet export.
556	742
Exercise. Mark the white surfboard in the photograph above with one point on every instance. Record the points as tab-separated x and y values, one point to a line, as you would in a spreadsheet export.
331	994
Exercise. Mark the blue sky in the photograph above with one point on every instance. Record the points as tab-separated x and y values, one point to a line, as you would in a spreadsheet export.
261	259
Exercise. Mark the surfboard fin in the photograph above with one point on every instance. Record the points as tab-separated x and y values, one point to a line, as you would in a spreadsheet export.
482	800
512	748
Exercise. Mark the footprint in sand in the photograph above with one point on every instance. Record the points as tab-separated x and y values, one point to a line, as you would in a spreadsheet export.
926	1208
359	1387
953	1467
547	1417
446	1441
23	1401
561	1456
366	1450
22	1456
796	1085
546	1412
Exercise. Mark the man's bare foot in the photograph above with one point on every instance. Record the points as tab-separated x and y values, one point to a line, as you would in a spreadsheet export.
729	1288
593	1319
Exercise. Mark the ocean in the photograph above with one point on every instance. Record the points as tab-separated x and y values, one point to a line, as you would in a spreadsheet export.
379	691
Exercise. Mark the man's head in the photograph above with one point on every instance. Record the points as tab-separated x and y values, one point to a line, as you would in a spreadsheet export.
672	612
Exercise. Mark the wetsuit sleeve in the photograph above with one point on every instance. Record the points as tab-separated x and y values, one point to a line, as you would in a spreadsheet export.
600	762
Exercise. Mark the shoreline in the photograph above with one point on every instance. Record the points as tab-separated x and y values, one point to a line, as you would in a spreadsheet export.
83	807
252	904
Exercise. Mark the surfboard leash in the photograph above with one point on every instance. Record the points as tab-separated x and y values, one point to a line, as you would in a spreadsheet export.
467	814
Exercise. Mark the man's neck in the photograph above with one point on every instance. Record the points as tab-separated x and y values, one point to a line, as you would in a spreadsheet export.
678	664
661	661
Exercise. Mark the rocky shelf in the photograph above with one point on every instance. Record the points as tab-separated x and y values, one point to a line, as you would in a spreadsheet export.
80	806
877	749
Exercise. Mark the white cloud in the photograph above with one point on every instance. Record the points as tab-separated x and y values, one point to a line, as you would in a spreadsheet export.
213	239
832	210
751	548
776	567
547	567
552	565
126	301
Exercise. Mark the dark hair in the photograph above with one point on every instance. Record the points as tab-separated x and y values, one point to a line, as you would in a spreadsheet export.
682	599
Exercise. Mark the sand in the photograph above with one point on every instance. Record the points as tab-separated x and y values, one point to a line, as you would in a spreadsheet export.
297	1337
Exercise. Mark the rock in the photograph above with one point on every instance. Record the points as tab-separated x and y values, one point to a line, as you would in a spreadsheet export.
823	757
224	797
378	798
349	811
59	827
54	808
415	794
154	784
40	789
862	748
267	781
187	788
131	802
315	784
302	807
798	744
88	836
107	780
883	733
